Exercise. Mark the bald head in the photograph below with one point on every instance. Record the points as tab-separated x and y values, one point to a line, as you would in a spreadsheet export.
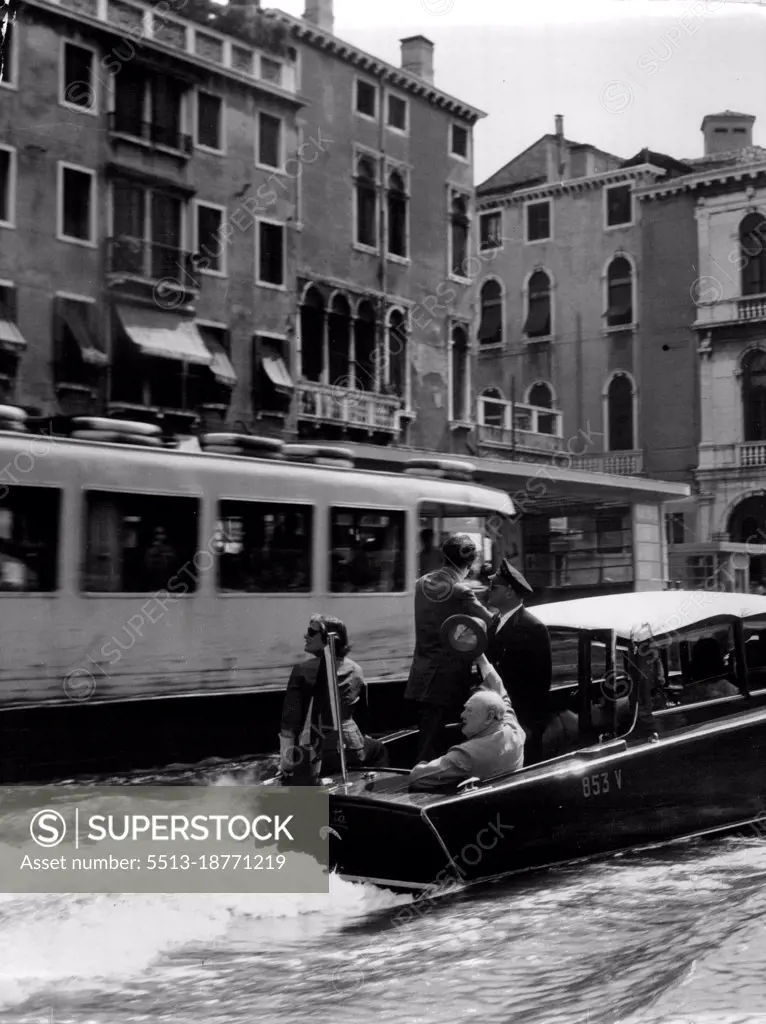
482	709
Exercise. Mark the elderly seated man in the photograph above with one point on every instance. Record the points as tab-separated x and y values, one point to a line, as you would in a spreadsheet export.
494	742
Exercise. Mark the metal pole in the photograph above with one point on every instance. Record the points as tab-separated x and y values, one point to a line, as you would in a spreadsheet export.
332	683
513	417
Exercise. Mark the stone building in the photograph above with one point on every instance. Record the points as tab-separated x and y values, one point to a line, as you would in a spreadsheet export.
704	348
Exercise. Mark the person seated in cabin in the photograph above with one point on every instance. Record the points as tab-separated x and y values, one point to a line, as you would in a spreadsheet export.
308	742
709	678
159	561
494	739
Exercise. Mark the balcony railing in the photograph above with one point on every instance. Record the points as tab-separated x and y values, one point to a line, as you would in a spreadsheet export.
535	427
147	23
151	261
616	463
326	403
752	308
742	455
150	132
739	309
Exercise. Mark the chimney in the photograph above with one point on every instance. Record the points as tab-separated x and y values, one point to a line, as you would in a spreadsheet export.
560	125
560	148
418	57
727	131
320	13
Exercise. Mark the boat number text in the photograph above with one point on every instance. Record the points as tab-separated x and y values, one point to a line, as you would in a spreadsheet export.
596	785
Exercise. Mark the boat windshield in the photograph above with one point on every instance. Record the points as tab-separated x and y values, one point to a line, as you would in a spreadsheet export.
496	535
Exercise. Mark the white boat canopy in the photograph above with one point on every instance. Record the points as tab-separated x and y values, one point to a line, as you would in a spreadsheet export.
649	613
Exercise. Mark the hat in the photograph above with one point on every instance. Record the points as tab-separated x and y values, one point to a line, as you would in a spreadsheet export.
508	576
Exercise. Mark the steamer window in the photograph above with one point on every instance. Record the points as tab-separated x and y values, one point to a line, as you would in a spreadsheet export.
367	551
29	533
264	547
141	543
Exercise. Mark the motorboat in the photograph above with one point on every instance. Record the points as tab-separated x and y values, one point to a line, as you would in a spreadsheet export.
657	732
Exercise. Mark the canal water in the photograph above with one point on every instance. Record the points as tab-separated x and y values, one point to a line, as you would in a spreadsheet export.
675	936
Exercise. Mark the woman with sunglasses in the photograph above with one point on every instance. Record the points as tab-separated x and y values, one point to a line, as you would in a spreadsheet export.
308	743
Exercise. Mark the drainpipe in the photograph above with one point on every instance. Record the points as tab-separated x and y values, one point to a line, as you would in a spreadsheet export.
513	417
382	240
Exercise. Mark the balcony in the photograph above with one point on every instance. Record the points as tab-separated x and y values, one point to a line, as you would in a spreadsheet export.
743	309
365	410
147	23
629	463
150	133
536	428
136	259
737	456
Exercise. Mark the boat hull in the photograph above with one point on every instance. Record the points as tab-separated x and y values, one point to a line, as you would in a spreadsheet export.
702	778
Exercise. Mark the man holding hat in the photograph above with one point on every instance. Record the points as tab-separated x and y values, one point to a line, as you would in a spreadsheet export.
520	649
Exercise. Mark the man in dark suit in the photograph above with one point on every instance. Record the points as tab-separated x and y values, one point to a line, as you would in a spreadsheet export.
520	649
438	681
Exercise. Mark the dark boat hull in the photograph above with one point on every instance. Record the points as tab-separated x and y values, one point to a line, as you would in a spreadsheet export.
695	779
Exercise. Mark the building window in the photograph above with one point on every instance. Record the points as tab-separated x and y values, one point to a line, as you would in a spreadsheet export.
491	301
459	354
12	343
139	543
752	240
209	121
209	239
312	321
620	414
149	107
459	141
78	83
269	140
397	113
7	186
541	397
78	355
8	55
538	322
366	551
397	215
754	395
396	354
366	371
675	527
264	547
147	233
77	188
339	341
490	230
460	225
619	205
619	293
271	71
167	98
29	538
538	221
366	98
271	253
366	203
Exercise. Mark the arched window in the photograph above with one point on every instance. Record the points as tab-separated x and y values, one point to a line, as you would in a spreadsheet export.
491	326
339	328
397	215
459	225
494	408
752	240
459	373
365	364
312	335
619	402
754	395
747	523
619	292
397	352
541	396
538	322
366	202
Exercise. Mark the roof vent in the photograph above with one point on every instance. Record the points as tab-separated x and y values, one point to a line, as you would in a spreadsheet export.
13	419
98	428
242	444
320	455
440	469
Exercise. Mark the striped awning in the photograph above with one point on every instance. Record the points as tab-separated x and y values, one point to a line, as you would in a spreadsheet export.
164	335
